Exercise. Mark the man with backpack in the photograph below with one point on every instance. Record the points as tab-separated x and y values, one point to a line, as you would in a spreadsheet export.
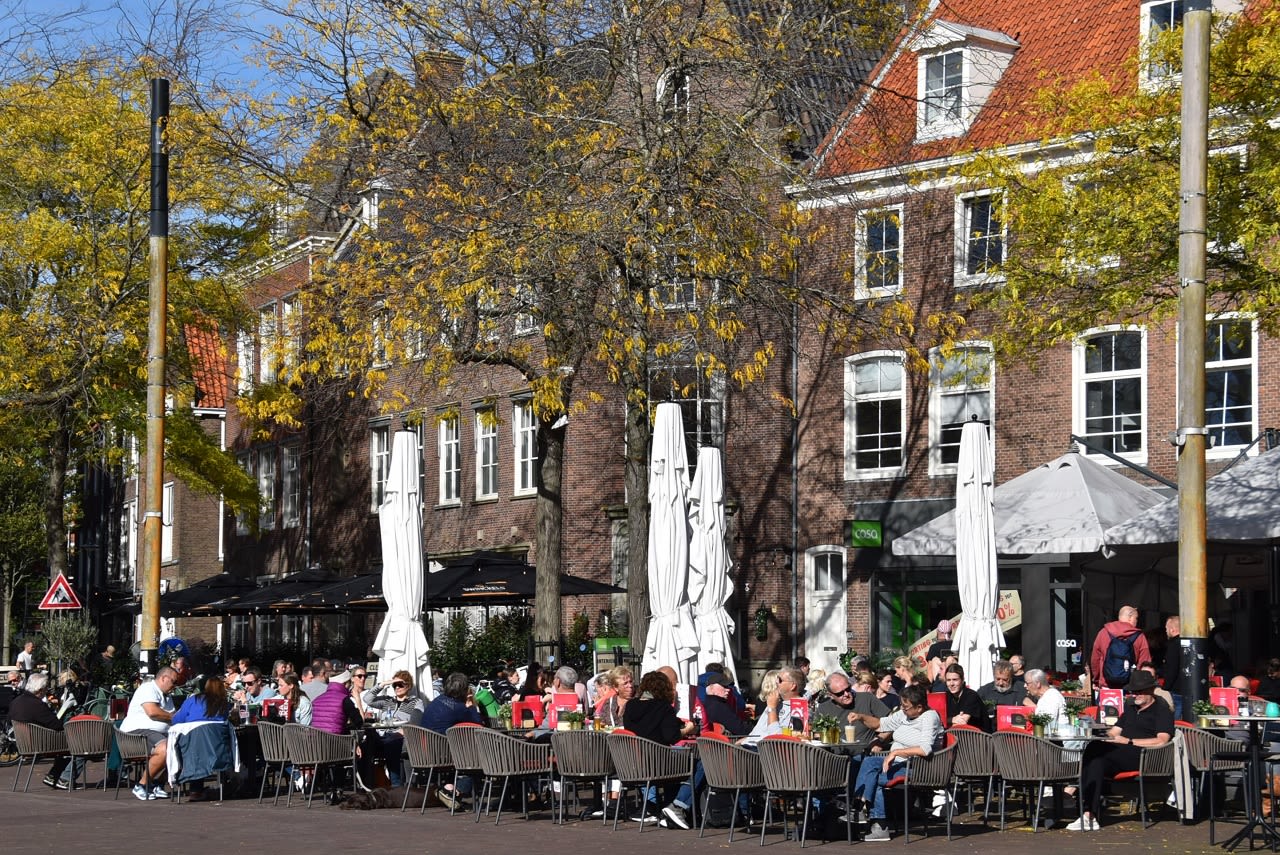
1117	650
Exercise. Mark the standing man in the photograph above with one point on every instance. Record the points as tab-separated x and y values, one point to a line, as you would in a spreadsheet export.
935	658
27	657
150	711
1117	649
1019	663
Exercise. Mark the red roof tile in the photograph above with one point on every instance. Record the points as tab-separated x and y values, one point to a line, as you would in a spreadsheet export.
1059	44
208	367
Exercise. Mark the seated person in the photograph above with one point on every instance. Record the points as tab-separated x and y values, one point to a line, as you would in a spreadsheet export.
915	730
652	716
1046	699
210	705
718	709
885	690
1269	686
787	685
963	704
30	706
150	711
401	706
298	709
333	711
1002	691
255	689
1146	723
454	705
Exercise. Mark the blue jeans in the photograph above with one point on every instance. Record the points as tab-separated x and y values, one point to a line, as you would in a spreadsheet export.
871	781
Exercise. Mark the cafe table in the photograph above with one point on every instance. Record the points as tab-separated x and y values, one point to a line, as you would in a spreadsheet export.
1257	824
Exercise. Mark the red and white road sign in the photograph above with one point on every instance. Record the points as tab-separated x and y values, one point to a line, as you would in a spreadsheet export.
60	595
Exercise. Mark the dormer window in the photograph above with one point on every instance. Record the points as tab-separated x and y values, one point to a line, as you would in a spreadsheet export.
958	67
1160	59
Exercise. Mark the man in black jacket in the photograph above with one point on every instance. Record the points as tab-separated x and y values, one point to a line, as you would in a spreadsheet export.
30	707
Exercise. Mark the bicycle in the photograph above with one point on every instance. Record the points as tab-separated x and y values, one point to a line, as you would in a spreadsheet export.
8	743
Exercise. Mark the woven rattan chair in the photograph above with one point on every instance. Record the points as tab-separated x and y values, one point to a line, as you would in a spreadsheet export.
925	773
318	749
218	741
794	767
1034	762
640	762
427	750
581	755
1210	754
275	756
36	743
464	747
729	767
135	753
88	739
975	761
508	758
1153	763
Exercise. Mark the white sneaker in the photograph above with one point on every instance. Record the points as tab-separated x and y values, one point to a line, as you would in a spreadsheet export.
1172	801
1084	823
142	793
159	793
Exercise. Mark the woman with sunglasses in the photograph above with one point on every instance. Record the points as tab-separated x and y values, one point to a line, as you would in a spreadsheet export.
399	706
359	678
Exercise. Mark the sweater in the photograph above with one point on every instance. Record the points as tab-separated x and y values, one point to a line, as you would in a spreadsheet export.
653	719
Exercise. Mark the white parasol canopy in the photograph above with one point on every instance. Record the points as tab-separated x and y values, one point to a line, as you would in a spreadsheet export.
672	639
400	644
979	636
709	563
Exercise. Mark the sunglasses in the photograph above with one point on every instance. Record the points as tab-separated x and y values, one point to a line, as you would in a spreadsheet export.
397	685
250	682
357	676
845	691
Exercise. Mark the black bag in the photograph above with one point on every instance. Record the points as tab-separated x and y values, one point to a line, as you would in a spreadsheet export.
1118	662
718	807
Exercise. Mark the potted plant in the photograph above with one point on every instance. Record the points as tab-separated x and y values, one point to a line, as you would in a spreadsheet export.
1203	710
825	728
505	716
570	721
1071	687
1074	709
1038	721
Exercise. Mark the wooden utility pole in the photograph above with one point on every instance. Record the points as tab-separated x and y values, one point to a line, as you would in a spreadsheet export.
158	298
1192	435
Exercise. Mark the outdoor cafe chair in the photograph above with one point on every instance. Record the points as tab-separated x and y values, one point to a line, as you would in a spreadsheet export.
464	748
1032	761
319	749
36	743
641	763
427	750
792	766
213	747
728	767
275	756
135	753
581	755
507	757
1210	754
926	773
1152	763
88	738
975	761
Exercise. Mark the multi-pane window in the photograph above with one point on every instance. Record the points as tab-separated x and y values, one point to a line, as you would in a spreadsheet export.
981	243
246	363
701	399
1111	377
1158	18
381	333
290	335
267	488
486	454
524	435
828	572
881	252
267	352
379	463
128	541
450	457
291	484
875	397
526	322
943	88
961	391
246	465
1228	376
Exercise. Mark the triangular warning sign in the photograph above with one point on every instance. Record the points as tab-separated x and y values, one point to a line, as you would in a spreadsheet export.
60	595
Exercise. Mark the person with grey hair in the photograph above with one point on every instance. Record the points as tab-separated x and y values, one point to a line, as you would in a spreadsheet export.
777	705
29	706
150	712
454	705
1003	690
1046	699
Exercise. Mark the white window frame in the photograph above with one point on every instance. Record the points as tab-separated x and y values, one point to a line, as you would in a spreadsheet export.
246	460
1151	76
486	432
1211	366
524	438
963	237
379	463
865	254
934	127
128	542
816	556
380	332
1080	380
851	400
525	323
246	363
290	336
268	333
291	484
449	458
939	391
265	471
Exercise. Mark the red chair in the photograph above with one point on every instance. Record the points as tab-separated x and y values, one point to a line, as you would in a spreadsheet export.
1216	680
1152	763
533	708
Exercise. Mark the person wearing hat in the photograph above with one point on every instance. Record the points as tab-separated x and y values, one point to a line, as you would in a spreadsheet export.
1144	724
937	653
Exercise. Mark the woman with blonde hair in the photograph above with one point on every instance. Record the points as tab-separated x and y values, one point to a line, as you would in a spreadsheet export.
622	682
401	706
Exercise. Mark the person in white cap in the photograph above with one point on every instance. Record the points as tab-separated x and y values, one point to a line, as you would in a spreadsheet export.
938	651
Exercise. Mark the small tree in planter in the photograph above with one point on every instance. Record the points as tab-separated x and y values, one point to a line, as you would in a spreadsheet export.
1038	722
69	638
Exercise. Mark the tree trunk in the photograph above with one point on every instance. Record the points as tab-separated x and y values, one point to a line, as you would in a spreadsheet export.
55	497
636	478
549	516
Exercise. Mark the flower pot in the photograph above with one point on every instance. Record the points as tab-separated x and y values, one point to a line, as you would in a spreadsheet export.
1202	720
564	725
1038	730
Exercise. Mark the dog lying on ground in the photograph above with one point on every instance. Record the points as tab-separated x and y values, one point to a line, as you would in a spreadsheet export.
385	798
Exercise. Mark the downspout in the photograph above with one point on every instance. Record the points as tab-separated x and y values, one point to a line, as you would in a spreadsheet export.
795	478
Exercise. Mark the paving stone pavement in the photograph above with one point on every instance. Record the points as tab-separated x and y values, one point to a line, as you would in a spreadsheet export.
91	822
